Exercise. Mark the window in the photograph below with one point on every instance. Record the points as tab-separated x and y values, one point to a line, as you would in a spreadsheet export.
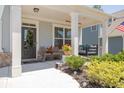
67	33
58	32
94	28
62	36
67	36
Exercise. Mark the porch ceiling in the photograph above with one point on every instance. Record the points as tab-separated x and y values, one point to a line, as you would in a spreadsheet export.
61	14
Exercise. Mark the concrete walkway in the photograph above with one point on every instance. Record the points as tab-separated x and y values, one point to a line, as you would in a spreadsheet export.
38	75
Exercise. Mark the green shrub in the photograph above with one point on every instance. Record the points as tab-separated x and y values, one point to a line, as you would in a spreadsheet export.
74	62
93	58
119	56
106	74
109	57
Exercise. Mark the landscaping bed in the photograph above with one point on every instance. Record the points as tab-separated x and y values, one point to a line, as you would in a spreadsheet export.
80	76
97	72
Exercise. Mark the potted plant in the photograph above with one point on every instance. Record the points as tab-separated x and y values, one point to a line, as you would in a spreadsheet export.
67	49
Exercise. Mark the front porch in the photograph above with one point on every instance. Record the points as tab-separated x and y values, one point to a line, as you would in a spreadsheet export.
53	26
38	75
29	67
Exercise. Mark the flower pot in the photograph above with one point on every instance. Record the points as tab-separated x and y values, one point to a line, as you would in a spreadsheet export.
67	53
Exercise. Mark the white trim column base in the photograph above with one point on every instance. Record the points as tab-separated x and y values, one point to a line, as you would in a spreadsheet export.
16	71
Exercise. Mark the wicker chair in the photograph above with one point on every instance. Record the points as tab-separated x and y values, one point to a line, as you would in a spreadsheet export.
43	55
57	53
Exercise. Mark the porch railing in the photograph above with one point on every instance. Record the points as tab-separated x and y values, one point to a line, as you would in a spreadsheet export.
88	49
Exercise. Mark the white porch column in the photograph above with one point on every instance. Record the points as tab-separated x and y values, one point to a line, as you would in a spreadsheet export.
15	30
99	40
0	35
105	38
74	33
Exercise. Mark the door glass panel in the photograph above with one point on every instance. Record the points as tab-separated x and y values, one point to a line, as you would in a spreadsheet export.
25	34
59	43
58	32
67	33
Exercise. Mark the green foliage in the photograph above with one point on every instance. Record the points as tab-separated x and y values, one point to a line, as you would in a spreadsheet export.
74	62
120	56
30	38
99	7
93	58
107	73
109	57
66	47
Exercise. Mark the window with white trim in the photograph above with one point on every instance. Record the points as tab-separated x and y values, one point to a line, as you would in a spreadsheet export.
62	36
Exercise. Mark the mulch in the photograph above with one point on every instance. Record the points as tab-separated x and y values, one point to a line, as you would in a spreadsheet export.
80	76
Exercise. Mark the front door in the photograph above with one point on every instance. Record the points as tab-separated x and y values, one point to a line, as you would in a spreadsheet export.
28	42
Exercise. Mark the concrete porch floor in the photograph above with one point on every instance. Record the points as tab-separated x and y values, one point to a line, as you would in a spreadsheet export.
37	75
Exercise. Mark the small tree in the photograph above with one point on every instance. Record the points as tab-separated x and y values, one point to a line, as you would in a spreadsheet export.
99	7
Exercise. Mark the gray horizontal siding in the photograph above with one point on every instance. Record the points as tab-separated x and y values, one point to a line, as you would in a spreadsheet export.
45	34
89	36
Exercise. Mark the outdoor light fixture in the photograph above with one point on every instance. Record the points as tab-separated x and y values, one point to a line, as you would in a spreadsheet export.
36	10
